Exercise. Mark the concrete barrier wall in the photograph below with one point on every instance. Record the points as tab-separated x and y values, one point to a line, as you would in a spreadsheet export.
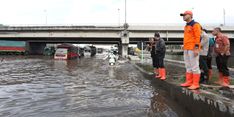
198	102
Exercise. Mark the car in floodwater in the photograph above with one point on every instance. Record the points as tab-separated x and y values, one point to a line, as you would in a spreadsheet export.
131	51
49	51
90	51
80	52
93	50
100	50
66	51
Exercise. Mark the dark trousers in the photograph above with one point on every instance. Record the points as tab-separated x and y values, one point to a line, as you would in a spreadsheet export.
155	61
204	67
209	62
158	61
221	62
161	62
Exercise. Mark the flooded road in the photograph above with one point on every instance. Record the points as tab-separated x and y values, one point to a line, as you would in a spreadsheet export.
37	86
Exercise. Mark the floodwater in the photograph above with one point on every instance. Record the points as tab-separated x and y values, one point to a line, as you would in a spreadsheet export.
37	86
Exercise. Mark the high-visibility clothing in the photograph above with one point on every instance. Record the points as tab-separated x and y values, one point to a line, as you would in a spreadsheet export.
192	35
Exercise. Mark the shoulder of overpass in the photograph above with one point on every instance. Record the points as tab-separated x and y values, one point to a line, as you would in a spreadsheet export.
60	28
106	28
174	28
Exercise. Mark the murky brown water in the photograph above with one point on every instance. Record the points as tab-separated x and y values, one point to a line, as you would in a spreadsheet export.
37	86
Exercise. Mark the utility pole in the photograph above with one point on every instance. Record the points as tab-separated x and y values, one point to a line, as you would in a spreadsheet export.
45	16
125	22
119	16
125	35
125	11
224	17
142	52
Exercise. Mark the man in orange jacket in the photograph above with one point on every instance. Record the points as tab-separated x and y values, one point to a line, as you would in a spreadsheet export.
192	37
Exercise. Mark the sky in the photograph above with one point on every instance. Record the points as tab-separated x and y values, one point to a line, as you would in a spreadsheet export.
105	12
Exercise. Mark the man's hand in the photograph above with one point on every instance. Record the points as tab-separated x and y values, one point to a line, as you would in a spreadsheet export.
196	52
149	46
201	47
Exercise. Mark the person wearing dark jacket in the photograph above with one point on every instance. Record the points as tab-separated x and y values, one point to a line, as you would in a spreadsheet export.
151	48
160	50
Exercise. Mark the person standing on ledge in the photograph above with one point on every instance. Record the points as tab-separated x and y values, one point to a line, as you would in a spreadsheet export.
192	38
151	48
203	57
222	50
160	49
210	56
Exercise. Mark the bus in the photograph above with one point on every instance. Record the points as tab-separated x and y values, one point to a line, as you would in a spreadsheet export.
66	51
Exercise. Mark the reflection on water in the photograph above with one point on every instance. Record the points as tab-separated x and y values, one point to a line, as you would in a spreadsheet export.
158	107
42	87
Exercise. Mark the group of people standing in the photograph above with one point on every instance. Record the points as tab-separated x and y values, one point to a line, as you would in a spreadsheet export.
199	49
157	48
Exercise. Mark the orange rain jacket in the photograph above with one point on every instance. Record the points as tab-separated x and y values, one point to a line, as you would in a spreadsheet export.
192	35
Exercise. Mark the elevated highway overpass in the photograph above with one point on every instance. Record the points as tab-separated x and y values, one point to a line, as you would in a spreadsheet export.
37	35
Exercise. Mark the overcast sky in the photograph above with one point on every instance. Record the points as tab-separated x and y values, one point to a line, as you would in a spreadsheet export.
88	12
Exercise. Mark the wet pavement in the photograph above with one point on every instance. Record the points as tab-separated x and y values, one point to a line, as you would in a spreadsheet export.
37	86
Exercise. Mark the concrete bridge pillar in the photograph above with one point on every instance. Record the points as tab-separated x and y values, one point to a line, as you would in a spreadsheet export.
119	48
124	49
124	43
36	48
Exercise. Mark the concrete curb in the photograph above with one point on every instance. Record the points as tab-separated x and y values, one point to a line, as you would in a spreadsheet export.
199	103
